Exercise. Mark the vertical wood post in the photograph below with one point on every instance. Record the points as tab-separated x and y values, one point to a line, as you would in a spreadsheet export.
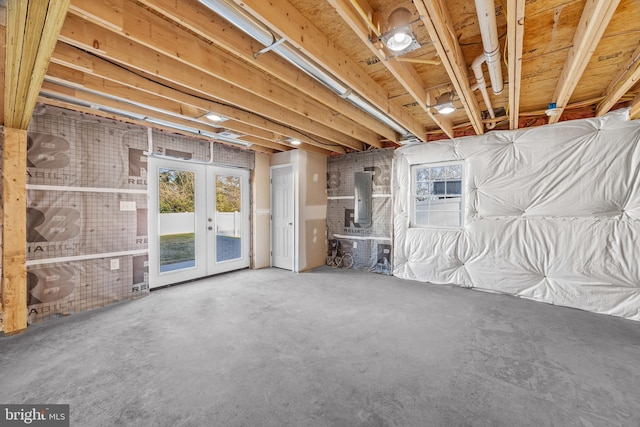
13	205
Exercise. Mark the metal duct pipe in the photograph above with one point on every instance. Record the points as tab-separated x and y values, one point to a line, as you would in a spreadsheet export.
486	11
264	36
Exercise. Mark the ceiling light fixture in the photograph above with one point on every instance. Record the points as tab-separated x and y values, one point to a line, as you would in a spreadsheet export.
444	103
239	18
553	110
216	117
293	141
399	38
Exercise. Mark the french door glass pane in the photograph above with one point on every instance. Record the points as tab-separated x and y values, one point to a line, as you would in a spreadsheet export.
228	218
177	219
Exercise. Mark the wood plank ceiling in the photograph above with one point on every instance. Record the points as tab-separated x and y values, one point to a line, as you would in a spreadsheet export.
168	63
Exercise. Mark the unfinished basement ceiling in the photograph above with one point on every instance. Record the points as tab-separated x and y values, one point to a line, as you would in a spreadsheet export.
168	63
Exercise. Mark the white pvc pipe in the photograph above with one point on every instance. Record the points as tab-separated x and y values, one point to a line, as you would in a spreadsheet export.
482	86
491	45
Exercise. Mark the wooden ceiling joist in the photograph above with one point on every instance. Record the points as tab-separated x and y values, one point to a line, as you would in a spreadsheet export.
31	33
117	48
202	21
53	89
239	121
289	23
515	38
624	81
47	100
129	97
52	86
404	73
593	22
152	31
435	16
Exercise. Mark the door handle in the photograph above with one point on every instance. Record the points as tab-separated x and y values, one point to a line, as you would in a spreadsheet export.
290	223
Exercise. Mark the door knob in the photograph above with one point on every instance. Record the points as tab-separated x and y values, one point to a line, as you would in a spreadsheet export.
290	223
210	228
210	219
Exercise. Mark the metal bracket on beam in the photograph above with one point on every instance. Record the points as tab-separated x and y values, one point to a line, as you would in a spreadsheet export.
268	48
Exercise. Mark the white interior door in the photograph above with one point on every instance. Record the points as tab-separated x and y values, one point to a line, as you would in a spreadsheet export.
282	217
198	220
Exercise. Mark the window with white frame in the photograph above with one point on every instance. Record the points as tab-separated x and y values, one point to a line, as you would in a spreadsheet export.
437	195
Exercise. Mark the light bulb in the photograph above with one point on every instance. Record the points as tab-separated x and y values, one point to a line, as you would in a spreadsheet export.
399	41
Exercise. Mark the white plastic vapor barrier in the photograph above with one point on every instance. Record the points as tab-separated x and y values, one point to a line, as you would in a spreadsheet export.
550	213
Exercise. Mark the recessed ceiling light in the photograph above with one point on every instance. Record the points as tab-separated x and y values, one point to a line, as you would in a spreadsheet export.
444	103
399	41
216	117
399	37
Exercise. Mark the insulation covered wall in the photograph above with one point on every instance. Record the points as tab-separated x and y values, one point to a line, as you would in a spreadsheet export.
87	243
370	244
550	213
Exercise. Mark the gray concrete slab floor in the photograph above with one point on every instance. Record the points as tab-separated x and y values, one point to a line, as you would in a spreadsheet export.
328	348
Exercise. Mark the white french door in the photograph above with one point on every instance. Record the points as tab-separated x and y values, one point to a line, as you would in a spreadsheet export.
198	220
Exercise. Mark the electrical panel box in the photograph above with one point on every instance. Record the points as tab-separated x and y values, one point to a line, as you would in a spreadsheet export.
363	185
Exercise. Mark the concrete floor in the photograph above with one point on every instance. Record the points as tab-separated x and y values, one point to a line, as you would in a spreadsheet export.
328	348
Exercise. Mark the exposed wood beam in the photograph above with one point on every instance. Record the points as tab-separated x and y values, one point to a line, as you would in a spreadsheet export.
626	79
289	23
113	116
153	93
31	33
404	73
240	121
107	12
515	38
114	47
102	99
13	184
634	113
160	35
208	25
436	19
2	57
593	22
111	94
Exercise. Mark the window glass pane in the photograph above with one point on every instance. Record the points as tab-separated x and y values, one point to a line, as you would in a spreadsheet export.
453	172
422	174
438	195
228	218
444	219
423	188
422	212
177	219
438	173
445	204
454	187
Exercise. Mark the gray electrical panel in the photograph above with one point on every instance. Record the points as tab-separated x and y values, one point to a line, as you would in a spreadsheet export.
363	188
